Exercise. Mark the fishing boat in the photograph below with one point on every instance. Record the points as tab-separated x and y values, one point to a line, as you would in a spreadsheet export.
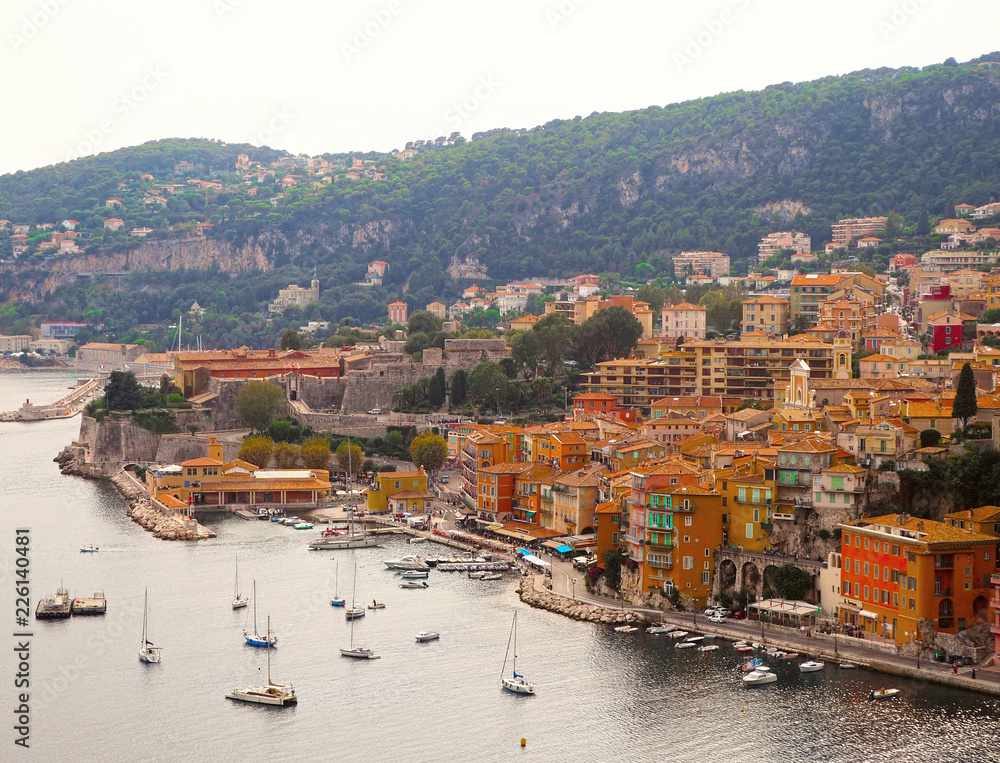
413	584
658	629
708	648
147	652
272	693
883	694
255	639
357	652
516	682
811	666
89	550
239	600
758	677
625	629
492	576
337	600
376	605
414	575
425	636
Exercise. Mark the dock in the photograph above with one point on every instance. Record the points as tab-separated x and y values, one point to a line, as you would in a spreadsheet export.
95	605
54	607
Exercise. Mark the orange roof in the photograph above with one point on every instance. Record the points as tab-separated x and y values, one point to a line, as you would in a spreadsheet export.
815	279
201	462
685	306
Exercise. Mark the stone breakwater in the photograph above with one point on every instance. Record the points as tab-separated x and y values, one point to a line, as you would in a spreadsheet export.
164	525
533	593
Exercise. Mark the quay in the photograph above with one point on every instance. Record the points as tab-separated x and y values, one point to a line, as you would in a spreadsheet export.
95	605
54	607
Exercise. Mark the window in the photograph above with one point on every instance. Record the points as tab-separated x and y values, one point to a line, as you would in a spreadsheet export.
742	495
968	585
866	542
707	552
749	529
756	515
895	576
895	550
705	578
688	562
866	569
866	592
857	567
986	555
705	567
687	521
687	538
913	603
876	572
855	589
876	548
876	594
857	541
895	599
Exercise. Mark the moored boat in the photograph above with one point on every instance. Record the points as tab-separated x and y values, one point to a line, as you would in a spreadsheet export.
89	550
413	584
811	666
271	693
758	677
883	694
414	575
516	683
425	636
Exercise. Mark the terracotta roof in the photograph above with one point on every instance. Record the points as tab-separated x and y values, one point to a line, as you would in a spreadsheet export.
262	484
610	507
508	468
583	478
979	514
927	411
687	402
845	469
404	495
201	462
811	445
685	306
932	532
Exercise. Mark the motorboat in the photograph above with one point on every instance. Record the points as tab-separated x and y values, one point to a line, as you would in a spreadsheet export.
695	639
409	562
686	645
755	645
811	666
759	677
708	648
89	550
658	629
418	540
377	605
425	636
303	526
755	664
847	666
414	575
476	575
354	613
413	584
492	576
883	694
678	634
334	541
625	629
738	644
271	693
515	683
744	649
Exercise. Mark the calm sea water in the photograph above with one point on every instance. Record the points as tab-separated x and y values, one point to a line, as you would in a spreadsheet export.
601	696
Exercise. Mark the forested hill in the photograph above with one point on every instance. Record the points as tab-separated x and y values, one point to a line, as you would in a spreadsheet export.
601	193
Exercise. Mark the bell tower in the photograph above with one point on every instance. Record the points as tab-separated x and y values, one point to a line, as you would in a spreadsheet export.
842	349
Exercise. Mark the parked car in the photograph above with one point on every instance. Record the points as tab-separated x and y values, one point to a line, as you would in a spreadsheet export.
375	411
717	619
741	615
445	478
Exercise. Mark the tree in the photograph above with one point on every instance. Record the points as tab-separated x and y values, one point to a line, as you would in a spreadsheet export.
291	340
608	334
316	453
286	455
488	385
459	386
256	450
436	389
429	451
526	350
257	405
417	342
509	367
654	295
555	340
924	224
350	457
423	322
123	392
792	583
965	405
930	438
750	402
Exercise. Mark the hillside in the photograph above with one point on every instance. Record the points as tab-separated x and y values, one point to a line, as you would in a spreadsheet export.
602	193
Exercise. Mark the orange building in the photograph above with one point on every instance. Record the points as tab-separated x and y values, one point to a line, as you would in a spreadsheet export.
496	487
527	492
607	520
192	370
897	570
484	448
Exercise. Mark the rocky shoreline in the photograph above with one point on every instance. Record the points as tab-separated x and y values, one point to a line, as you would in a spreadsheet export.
534	594
166	526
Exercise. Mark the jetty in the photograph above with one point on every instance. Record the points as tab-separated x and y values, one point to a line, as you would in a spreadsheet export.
94	605
54	607
65	407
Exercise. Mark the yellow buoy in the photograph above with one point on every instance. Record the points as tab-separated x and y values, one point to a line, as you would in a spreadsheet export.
523	741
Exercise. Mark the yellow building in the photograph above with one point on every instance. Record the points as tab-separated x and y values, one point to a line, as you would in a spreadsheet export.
748	489
574	498
766	313
399	491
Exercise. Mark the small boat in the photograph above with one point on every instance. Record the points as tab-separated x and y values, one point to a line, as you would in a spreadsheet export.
337	600
708	648
755	664
625	629
744	649
376	605
738	644
492	576
418	540
290	521
89	550
678	634
239	600
515	683
658	629
425	636
357	652
255	639
303	526
811	666
354	613
695	639
270	694
410	562
883	694
758	677
847	666
413	584
686	645
414	575
476	575
755	645
147	652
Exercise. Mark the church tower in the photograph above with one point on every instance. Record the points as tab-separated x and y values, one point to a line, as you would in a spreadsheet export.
842	349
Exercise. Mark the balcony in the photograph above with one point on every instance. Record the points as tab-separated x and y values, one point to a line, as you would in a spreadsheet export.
766	526
783	517
944	563
943	592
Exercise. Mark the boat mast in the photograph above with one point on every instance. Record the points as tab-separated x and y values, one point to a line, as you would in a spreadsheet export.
268	653
145	604
507	653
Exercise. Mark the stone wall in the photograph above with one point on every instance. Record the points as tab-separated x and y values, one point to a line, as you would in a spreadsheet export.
374	388
322	394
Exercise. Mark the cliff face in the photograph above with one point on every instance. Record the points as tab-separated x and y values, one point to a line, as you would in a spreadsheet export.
24	282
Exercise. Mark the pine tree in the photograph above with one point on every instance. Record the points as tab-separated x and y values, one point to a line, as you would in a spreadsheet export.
965	406
436	389
924	224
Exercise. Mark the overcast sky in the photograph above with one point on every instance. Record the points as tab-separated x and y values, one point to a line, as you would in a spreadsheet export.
309	76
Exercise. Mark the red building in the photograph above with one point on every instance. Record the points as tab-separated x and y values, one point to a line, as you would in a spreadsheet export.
398	312
944	331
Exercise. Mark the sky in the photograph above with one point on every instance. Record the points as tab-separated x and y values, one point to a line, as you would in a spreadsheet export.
311	76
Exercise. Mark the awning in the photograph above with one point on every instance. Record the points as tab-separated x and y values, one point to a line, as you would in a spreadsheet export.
866	613
563	549
553	544
535	561
523	537
487	522
522	551
529	513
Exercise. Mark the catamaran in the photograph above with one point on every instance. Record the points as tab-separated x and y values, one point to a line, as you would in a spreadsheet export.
270	694
147	652
515	683
255	639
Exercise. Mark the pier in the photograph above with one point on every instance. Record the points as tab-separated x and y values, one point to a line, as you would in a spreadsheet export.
95	605
65	407
54	607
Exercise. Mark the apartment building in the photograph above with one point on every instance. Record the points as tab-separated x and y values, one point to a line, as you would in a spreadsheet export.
775	243
848	229
686	320
711	264
809	291
766	313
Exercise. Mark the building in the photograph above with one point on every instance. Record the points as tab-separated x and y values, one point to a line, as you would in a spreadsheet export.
192	370
62	330
398	313
766	313
696	407
116	355
574	498
396	492
590	404
51	346
944	331
608	520
295	295
749	489
775	243
848	229
876	443
437	309
14	342
898	570
376	272
953	225
810	290
852	315
711	264
114	223
686	320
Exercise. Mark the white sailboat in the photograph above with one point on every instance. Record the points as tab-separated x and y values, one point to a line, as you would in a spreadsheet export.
337	600
147	652
239	600
255	639
515	683
358	652
269	694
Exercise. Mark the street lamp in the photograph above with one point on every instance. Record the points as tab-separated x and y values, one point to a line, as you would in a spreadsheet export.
573	581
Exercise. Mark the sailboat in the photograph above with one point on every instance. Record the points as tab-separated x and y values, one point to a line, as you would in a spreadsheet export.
255	639
271	693
239	600
516	683
360	652
362	540
147	652
337	600
353	612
